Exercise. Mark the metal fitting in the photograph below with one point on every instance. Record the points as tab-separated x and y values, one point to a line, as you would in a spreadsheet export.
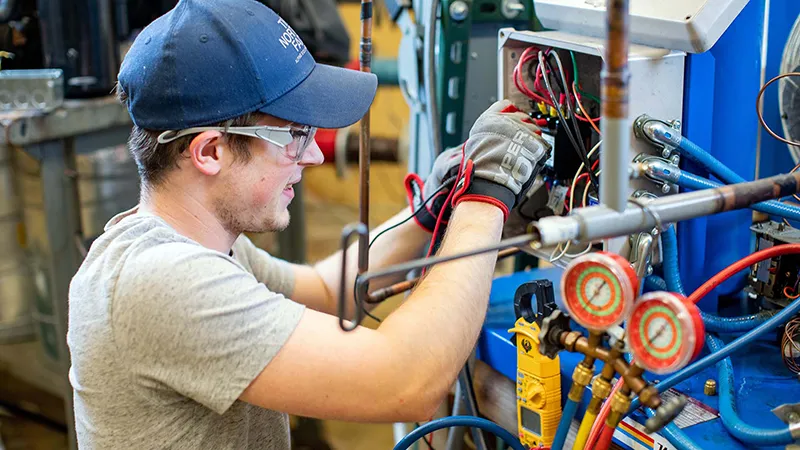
571	339
659	170
601	388
710	387
649	397
512	8
459	10
659	132
665	414
582	375
620	403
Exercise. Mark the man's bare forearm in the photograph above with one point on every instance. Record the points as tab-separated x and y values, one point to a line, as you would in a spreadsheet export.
438	325
405	242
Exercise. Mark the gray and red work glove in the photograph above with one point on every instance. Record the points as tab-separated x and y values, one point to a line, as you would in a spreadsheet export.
497	165
436	189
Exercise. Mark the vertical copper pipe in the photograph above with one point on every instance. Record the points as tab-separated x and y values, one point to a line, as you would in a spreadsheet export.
615	157
615	74
365	59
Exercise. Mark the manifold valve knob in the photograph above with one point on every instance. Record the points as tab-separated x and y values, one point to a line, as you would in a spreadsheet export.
665	414
552	327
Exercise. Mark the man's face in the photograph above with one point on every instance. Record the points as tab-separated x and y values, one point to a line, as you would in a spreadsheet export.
254	195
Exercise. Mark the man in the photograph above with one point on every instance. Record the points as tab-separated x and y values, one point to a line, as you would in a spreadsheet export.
182	333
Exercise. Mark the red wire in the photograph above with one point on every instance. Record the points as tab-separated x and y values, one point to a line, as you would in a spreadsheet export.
740	265
446	203
605	438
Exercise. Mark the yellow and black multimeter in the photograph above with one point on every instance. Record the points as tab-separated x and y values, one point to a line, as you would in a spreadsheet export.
538	377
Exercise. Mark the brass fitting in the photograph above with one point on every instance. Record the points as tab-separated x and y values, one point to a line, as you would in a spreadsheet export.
582	375
710	387
601	388
570	339
649	397
620	403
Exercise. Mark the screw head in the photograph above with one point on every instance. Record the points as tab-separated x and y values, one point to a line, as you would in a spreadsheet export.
666	153
649	270
665	188
676	159
793	417
459	10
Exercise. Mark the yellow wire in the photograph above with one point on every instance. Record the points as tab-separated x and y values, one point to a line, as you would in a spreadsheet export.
584	430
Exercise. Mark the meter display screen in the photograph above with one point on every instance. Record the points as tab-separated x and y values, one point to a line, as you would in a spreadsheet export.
531	421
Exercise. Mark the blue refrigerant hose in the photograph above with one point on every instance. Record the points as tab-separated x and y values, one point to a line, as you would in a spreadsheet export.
734	346
694	153
459	421
570	408
727	407
774	208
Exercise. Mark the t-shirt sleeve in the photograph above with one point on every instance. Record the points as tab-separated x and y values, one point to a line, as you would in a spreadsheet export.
276	273
196	322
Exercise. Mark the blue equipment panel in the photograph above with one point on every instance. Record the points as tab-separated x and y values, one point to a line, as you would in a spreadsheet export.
762	380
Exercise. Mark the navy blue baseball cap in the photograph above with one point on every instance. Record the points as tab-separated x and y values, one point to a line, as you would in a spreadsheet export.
208	61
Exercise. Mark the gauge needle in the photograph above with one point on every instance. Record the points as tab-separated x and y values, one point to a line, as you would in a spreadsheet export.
596	292
663	328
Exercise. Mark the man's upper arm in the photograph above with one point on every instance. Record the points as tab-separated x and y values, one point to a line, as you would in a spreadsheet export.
197	323
326	373
301	283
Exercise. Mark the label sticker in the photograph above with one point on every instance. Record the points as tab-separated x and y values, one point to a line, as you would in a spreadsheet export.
695	411
557	197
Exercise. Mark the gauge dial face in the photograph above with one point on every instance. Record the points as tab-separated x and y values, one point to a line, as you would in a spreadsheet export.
662	332
598	290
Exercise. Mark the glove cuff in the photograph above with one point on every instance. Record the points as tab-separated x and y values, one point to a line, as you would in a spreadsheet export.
480	190
414	189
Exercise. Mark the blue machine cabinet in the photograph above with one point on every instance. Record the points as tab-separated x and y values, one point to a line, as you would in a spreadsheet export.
720	97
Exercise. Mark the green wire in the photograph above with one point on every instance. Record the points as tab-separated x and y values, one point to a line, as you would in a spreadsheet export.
577	79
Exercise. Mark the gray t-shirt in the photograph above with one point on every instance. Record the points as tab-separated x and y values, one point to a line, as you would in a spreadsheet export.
166	334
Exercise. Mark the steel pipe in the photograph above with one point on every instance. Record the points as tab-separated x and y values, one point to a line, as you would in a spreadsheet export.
602	222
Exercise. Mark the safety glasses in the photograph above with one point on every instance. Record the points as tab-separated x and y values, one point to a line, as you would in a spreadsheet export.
301	136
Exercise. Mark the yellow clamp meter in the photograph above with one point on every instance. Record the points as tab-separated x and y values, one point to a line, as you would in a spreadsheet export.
538	377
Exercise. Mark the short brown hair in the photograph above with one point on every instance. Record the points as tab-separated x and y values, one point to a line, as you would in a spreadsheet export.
154	160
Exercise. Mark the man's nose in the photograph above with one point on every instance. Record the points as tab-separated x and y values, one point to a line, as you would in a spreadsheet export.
312	156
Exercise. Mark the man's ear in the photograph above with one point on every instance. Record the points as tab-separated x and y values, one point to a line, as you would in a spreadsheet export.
206	152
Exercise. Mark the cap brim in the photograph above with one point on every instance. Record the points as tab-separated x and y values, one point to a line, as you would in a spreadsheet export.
330	97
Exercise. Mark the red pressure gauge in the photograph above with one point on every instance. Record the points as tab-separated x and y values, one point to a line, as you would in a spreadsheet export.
665	332
599	289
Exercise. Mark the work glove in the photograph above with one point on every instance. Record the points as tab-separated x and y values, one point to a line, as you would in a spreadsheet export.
435	189
503	155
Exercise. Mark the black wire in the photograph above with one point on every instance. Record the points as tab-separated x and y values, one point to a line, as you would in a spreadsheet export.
579	149
425	438
425	202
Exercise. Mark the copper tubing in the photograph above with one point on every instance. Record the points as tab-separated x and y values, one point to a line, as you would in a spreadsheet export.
380	295
615	74
365	59
573	341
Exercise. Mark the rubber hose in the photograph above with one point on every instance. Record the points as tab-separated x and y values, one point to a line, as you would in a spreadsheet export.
694	153
570	408
736	345
713	323
690	181
672	274
459	421
727	407
584	430
675	435
606	436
